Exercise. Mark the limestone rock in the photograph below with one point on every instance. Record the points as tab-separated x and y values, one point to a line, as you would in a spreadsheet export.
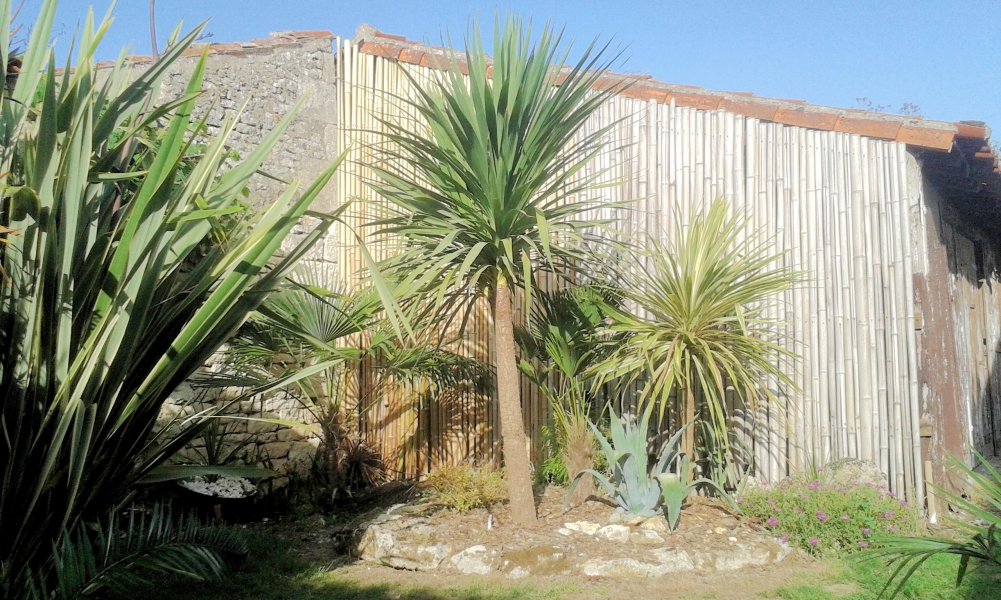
620	516
657	524
657	564
585	527
388	543
277	450
852	471
475	560
646	537
614	533
536	561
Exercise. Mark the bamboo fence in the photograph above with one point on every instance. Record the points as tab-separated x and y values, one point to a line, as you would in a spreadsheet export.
834	203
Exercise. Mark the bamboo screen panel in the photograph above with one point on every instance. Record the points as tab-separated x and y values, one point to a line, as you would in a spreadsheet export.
836	204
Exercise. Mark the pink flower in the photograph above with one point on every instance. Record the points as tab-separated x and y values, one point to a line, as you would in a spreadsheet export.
814	485
821	516
814	542
863	544
784	538
889	515
845	518
772	522
867	532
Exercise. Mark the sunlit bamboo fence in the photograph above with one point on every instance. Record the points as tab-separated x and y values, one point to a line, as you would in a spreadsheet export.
834	203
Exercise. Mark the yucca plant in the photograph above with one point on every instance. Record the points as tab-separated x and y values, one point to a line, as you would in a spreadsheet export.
120	280
561	340
698	323
982	534
493	190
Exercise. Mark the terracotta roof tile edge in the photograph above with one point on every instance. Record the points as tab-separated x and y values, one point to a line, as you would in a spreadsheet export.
913	131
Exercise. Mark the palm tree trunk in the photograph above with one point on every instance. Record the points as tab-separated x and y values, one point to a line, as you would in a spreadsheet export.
688	440
518	474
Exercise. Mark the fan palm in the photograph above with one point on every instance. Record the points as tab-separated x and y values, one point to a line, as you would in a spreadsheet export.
305	327
490	191
563	337
699	322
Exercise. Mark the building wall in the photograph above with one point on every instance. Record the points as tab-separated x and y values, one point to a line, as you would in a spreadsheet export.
257	85
959	324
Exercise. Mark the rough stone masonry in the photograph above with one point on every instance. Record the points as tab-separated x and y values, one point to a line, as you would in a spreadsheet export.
258	83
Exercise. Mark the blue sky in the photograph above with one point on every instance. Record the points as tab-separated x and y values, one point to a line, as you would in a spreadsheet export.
944	56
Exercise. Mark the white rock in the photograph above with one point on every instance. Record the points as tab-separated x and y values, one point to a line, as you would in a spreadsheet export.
646	537
677	560
518	573
614	533
619	515
658	524
664	562
564	531
475	560
585	527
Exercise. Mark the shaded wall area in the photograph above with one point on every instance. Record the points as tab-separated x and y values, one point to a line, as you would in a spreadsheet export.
957	256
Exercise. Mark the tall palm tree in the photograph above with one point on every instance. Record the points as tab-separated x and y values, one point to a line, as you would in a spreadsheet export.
492	190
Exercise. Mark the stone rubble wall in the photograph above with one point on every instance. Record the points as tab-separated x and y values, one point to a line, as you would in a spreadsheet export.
266	78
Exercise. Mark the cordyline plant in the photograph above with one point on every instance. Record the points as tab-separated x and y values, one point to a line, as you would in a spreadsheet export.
493	190
699	322
120	281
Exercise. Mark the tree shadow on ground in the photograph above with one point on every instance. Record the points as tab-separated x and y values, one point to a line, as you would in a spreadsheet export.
273	572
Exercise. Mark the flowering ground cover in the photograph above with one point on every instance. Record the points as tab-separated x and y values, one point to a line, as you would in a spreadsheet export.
829	519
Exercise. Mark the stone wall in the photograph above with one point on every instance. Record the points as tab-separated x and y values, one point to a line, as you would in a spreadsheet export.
266	78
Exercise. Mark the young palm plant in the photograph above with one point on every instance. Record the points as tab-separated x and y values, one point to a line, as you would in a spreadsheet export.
119	280
490	192
561	341
698	322
304	327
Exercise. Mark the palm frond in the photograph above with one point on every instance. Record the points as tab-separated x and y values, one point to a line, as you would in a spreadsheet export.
118	555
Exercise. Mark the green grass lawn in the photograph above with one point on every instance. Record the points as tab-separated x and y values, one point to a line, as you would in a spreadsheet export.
935	580
273	572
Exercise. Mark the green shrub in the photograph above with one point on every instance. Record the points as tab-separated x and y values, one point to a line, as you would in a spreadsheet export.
464	488
826	519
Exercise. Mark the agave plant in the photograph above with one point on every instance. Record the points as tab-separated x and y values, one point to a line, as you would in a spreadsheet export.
698	325
905	555
120	277
632	483
678	485
494	190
